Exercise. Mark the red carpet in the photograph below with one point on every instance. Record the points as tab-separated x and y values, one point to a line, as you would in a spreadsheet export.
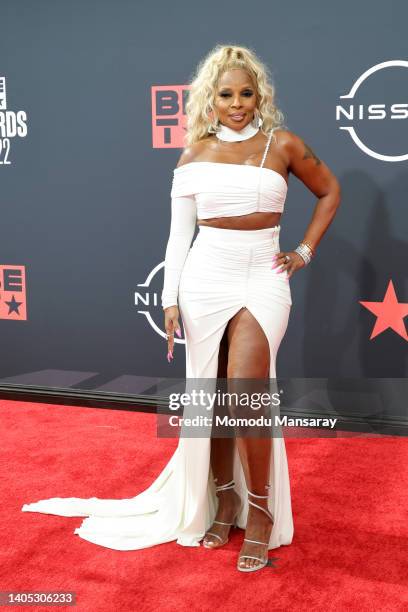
349	495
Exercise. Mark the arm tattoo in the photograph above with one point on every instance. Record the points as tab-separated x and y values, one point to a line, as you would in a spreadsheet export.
309	153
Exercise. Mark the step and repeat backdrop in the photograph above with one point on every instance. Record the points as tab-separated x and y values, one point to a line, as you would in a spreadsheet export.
92	99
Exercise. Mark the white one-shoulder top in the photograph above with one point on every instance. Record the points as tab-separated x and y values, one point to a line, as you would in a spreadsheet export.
228	190
203	190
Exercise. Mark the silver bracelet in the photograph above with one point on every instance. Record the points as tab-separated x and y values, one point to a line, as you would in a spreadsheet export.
305	252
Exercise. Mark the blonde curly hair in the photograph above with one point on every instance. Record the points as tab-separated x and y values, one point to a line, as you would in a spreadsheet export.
203	88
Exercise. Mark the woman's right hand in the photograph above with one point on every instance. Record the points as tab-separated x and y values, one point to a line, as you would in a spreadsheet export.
171	325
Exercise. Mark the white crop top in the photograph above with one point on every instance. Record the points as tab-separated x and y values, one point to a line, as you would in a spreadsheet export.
203	190
228	190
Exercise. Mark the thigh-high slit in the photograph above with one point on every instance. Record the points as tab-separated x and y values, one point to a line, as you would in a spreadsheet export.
224	271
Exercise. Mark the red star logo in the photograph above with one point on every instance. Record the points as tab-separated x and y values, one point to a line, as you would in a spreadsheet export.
389	312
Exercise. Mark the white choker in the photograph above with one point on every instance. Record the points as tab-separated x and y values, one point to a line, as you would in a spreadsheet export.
228	134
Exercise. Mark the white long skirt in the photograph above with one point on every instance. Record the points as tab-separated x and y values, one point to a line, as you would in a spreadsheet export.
225	270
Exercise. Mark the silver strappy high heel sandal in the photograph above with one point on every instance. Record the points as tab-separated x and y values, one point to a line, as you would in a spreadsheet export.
262	560
224	487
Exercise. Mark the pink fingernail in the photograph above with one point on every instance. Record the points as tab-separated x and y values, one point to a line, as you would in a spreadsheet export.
275	266
178	332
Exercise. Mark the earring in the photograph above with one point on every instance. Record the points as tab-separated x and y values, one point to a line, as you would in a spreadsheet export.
257	120
214	126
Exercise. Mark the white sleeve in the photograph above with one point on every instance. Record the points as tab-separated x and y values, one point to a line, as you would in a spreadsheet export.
182	226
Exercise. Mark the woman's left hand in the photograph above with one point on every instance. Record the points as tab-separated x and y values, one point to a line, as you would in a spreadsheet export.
295	262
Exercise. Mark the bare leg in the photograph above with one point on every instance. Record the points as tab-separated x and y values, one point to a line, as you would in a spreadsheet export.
222	455
249	357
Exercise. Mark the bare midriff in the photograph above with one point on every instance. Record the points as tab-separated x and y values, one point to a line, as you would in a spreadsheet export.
253	221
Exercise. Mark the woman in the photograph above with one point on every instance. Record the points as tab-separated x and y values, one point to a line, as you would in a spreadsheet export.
233	303
232	289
